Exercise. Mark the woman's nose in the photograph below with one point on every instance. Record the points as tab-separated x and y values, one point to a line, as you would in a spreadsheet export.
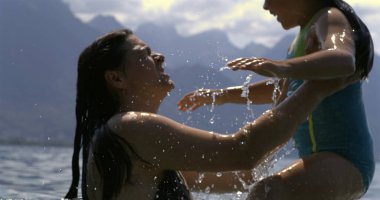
158	57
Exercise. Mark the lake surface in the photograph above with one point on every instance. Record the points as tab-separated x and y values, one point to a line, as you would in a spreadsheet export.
44	173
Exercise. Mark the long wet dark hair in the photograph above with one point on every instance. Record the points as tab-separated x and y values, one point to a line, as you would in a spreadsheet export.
363	41
94	107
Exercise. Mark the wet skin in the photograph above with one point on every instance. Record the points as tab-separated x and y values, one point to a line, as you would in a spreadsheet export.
330	54
141	85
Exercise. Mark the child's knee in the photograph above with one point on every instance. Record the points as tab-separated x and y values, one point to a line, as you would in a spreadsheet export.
270	188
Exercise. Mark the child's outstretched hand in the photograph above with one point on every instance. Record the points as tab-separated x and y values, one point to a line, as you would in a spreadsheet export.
262	66
196	99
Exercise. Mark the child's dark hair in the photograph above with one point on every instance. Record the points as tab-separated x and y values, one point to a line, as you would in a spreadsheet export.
94	107
363	41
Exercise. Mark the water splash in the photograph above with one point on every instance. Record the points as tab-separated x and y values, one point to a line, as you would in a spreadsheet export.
224	68
276	89
213	95
241	180
265	168
245	94
245	89
201	175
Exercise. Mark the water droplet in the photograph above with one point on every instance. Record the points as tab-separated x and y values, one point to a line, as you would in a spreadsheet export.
212	120
200	177
223	68
207	190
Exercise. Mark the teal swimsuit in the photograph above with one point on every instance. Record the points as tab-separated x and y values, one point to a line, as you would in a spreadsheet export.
337	125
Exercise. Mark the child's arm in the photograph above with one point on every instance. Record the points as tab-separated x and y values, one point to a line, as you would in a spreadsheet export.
332	42
259	93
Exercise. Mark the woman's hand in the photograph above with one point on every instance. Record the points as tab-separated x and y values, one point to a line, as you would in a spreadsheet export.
262	66
197	98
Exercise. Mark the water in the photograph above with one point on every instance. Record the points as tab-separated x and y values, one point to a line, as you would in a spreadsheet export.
44	173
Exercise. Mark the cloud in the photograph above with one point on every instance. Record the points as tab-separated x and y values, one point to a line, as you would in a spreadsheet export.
368	3
243	20
153	5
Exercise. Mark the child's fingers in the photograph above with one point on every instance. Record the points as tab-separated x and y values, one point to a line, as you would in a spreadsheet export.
234	62
238	64
247	64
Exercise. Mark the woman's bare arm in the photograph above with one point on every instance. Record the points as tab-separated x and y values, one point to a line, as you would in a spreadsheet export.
170	145
259	93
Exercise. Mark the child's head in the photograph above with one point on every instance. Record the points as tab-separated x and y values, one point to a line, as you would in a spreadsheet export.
292	13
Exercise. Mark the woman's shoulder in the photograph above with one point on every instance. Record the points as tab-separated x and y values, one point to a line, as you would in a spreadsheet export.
133	117
135	121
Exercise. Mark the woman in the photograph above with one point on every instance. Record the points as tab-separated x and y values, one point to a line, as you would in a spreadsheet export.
334	144
130	152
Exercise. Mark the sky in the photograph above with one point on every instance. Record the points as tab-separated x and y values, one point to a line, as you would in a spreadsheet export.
243	20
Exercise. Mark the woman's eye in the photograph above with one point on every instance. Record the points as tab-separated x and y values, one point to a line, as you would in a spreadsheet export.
149	51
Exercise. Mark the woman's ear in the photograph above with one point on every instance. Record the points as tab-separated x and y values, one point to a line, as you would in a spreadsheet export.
115	79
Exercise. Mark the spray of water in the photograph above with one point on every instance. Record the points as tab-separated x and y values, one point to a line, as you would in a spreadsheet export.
277	89
264	169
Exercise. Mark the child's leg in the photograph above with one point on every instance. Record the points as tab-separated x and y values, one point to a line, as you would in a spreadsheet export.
321	176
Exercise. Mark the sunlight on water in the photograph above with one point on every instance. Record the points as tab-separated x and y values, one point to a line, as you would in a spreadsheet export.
45	174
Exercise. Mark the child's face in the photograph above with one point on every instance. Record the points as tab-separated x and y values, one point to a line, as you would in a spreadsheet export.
286	11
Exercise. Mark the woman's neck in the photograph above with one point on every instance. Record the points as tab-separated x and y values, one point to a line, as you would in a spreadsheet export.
139	104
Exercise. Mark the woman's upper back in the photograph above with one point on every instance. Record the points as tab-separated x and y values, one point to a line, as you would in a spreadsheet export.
144	181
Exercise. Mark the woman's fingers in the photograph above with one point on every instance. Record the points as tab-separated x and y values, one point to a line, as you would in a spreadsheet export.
190	101
195	99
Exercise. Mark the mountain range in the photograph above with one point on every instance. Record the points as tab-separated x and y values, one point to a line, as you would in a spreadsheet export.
39	46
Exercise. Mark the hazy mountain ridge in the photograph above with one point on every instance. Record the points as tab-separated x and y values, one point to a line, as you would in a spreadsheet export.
39	47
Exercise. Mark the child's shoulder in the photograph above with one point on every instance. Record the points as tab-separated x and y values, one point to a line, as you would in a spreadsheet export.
331	16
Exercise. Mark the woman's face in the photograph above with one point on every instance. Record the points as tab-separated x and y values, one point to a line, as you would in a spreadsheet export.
286	11
144	69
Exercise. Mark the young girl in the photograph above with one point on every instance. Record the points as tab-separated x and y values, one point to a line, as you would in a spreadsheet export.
334	144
